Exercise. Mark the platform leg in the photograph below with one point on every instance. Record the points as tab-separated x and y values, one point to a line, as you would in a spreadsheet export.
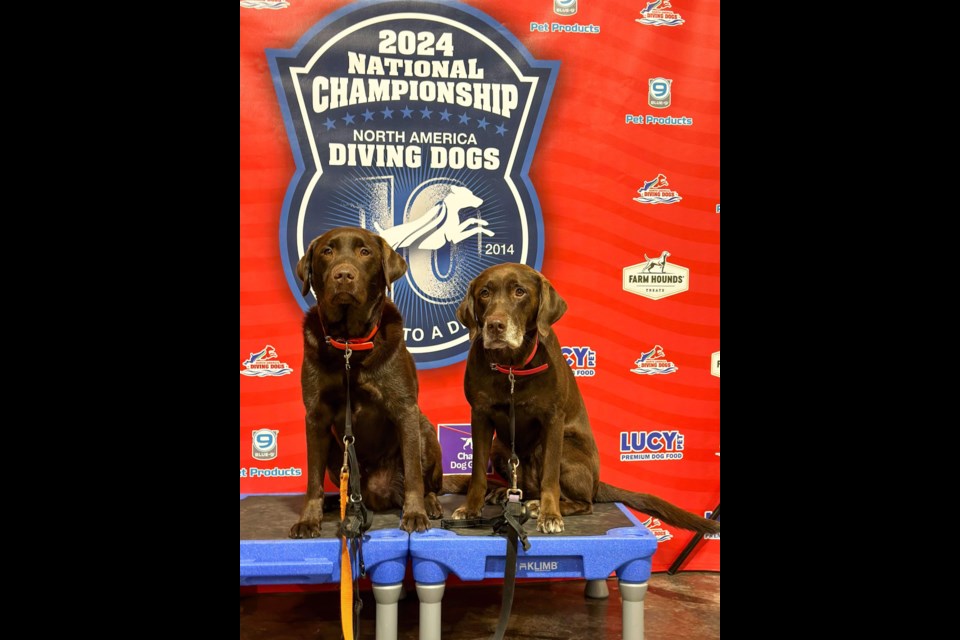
633	594
596	589
387	596
430	596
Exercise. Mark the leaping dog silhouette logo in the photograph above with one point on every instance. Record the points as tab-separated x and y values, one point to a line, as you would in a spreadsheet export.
267	353
440	225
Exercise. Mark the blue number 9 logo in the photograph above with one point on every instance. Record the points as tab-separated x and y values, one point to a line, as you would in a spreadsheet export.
264	440
660	89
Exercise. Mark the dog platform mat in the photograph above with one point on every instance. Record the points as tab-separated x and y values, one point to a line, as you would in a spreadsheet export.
269	556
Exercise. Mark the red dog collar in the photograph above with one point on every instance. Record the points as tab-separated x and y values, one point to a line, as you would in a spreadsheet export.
523	372
356	344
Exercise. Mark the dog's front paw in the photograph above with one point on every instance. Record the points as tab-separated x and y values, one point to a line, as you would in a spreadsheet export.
434	508
497	496
414	521
462	513
306	529
533	508
549	524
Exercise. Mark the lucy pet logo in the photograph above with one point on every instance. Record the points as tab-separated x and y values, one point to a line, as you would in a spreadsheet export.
264	363
265	444
564	7
417	121
582	360
655	192
658	93
653	363
658	14
656	278
644	446
654	525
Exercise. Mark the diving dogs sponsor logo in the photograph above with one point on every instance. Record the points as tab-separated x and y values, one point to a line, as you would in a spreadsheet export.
644	446
653	363
265	444
417	121
658	14
264	4
657	529
655	192
264	363
582	360
656	278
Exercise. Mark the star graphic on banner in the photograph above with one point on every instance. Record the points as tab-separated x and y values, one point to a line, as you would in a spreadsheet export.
367	115
406	111
482	124
330	124
445	115
501	129
464	118
387	114
348	119
425	113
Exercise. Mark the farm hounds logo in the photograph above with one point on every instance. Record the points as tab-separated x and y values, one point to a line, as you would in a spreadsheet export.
265	444
417	121
658	14
656	278
644	446
582	360
653	363
565	7
263	364
655	192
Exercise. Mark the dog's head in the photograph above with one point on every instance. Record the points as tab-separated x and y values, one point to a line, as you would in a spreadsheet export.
506	301
349	265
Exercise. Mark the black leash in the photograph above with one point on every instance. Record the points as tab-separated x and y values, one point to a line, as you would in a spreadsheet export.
355	521
509	523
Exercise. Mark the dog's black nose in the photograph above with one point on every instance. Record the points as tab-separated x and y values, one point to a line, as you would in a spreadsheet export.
496	326
345	272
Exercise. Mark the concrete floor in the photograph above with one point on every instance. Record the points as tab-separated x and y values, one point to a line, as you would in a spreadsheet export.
685	606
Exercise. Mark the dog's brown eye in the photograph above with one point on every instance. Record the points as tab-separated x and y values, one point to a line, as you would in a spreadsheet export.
520	292
327	251
364	251
484	293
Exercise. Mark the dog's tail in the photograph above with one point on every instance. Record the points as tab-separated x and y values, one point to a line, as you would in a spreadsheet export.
657	507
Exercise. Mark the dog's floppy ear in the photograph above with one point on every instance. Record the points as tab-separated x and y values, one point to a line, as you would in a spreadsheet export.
305	269
467	314
552	307
394	265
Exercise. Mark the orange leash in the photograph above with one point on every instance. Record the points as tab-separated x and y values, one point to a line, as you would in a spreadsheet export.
346	572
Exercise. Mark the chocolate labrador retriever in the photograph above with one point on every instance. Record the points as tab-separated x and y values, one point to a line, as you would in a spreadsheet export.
397	448
512	308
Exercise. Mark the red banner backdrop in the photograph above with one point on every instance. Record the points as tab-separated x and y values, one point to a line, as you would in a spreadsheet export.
596	135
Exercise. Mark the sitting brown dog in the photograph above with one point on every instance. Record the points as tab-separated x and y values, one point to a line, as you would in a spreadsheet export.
512	308
397	448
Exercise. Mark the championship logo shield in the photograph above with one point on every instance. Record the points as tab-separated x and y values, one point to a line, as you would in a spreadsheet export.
417	121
